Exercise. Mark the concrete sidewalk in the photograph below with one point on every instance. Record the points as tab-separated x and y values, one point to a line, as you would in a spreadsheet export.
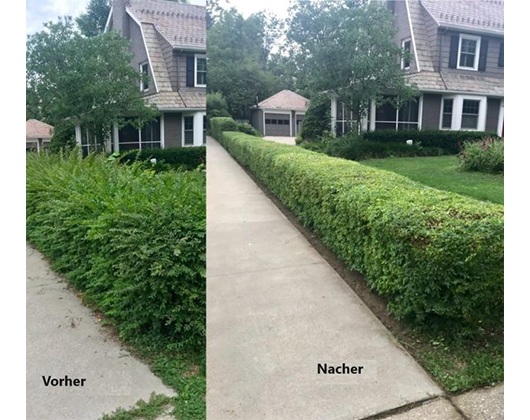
64	339
276	310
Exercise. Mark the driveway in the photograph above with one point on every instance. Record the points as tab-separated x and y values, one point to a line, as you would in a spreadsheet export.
284	140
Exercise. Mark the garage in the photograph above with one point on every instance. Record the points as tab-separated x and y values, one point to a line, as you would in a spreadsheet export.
281	115
277	124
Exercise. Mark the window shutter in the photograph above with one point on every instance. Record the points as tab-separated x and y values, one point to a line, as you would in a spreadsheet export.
483	55
501	55
190	71
453	52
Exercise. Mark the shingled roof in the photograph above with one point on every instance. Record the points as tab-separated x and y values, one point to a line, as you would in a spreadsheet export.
285	99
428	81
182	25
36	129
478	15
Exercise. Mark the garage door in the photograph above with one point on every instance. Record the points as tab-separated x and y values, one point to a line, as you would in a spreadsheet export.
277	125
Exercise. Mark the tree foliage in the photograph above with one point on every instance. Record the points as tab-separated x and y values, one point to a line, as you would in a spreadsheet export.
238	58
74	79
93	21
216	105
347	47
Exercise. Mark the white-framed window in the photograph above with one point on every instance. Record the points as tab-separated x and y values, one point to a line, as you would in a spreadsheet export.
188	130
150	135
345	122
200	70
462	112
406	46
144	73
388	117
468	52
470	114
447	113
132	138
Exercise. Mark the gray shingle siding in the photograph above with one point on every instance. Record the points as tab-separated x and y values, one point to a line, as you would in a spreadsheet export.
173	129
180	60
139	52
431	111
492	68
169	58
492	116
401	21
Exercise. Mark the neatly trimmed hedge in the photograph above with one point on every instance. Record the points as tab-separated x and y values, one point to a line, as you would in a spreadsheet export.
133	241
436	256
353	147
448	140
186	158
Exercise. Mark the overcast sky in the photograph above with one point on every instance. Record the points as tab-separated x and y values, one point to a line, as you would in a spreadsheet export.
40	11
246	7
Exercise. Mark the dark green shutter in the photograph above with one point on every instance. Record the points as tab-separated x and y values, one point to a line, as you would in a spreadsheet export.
483	55
190	71
501	55
453	52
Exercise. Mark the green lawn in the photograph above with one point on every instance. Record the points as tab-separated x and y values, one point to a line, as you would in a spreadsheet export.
443	173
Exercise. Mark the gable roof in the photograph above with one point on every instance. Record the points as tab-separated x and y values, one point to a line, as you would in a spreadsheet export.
36	129
285	99
182	25
473	15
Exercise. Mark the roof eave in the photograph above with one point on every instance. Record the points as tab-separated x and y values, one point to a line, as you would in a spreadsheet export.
472	29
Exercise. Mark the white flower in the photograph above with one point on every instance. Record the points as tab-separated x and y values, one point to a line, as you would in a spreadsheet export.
153	161
409	142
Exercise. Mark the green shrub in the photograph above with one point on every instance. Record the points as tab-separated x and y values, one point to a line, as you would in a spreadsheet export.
131	240
354	147
216	105
450	141
186	158
484	156
317	118
436	256
220	124
245	127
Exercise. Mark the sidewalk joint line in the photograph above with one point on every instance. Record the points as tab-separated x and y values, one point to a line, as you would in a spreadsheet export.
264	270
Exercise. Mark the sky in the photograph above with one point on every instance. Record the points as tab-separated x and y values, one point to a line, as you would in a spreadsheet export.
40	11
246	7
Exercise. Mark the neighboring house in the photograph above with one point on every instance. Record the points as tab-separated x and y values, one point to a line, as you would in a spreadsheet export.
38	135
456	61
168	42
280	115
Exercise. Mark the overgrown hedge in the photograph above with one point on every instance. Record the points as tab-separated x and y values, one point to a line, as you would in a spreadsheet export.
133	241
450	141
186	158
436	256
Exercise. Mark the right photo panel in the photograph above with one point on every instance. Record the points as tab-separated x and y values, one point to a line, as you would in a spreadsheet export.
355	210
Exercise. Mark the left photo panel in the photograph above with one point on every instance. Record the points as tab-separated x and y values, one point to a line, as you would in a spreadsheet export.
116	209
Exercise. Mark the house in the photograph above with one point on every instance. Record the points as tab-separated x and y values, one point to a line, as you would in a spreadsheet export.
280	115
456	60
38	135
168	42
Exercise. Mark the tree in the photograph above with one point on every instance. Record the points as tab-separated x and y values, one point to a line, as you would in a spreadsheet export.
73	79
216	105
93	22
347	47
238	58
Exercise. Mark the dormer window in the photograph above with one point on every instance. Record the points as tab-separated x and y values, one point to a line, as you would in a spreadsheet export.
406	47
468	52
196	70
200	70
144	72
